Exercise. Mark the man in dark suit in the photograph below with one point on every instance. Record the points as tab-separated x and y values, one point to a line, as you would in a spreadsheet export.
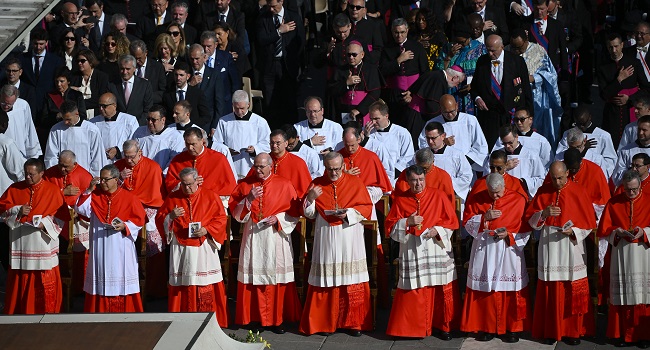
499	87
280	39
369	31
147	27
492	12
69	19
134	95
103	26
640	49
179	16
547	32
224	66
213	12
201	114
210	82
13	71
151	70
39	66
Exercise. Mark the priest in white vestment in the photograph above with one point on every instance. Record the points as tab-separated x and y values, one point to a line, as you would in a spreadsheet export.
157	141
21	125
244	132
463	132
396	139
115	127
11	158
640	145
317	132
530	138
308	154
80	136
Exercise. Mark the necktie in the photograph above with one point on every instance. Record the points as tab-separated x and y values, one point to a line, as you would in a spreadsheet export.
37	66
140	72
223	18
159	20
181	95
210	62
278	43
496	64
127	92
539	27
482	13
642	49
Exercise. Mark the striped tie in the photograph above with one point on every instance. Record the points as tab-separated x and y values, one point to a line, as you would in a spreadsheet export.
278	43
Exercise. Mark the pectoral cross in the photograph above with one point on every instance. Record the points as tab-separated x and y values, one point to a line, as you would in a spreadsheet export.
260	215
631	216
417	211
336	204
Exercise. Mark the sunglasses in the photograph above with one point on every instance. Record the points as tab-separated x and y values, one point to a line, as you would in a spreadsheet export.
174	34
70	38
356	7
497	168
82	60
353	54
111	44
105	105
520	120
153	120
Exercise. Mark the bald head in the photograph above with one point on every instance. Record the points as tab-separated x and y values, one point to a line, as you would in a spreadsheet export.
264	157
559	174
448	107
107	98
494	45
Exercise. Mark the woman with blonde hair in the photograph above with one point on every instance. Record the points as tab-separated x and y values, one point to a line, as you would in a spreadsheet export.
165	52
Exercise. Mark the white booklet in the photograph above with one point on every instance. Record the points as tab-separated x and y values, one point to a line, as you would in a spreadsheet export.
194	229
36	220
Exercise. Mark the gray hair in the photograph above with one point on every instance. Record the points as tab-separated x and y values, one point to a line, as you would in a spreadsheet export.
399	22
131	144
574	135
138	45
454	73
630	175
495	182
208	34
182	4
10	90
189	172
424	156
127	58
66	153
112	169
197	47
333	155
118	17
240	96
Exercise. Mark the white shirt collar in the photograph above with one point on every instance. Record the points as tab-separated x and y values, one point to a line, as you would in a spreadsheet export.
184	88
101	18
131	80
201	70
225	13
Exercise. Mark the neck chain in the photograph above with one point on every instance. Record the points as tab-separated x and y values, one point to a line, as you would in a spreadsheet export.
110	197
277	161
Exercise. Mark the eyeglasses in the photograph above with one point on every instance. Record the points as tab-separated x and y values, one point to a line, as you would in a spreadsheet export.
105	105
261	166
520	120
356	7
497	168
111	43
11	71
632	190
449	112
641	33
637	166
174	34
353	54
153	120
106	179
70	38
429	138
82	60
334	169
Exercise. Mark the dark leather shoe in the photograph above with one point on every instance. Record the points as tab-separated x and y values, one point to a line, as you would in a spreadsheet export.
278	330
446	336
549	341
355	333
571	341
510	337
325	334
620	343
644	344
484	336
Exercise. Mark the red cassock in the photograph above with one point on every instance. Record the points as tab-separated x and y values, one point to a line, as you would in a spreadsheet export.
211	165
512	183
563	308
592	179
644	182
80	178
34	291
146	182
292	168
202	206
269	305
630	322
415	312
372	171
106	206
347	306
497	311
435	178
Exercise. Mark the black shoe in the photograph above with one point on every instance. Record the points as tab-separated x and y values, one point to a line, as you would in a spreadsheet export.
446	336
278	329
644	344
255	328
484	336
510	337
571	341
325	334
549	341
620	343
355	333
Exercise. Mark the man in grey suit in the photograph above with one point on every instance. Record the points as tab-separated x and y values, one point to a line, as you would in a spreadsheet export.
134	94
